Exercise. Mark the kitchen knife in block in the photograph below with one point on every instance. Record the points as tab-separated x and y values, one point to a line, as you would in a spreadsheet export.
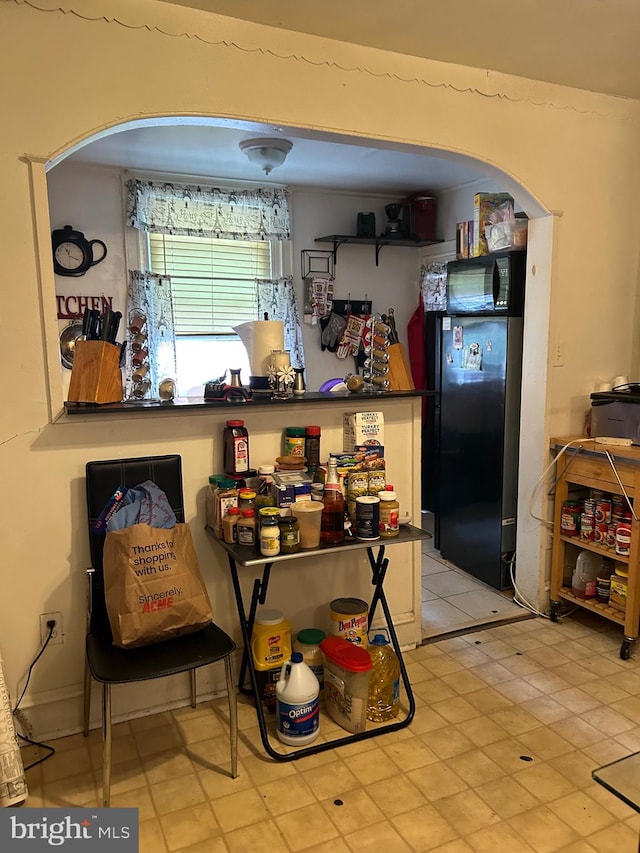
96	375
399	374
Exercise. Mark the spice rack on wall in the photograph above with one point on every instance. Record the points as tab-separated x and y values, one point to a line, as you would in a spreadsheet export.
589	466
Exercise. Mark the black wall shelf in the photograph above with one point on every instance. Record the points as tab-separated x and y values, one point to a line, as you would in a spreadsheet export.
378	242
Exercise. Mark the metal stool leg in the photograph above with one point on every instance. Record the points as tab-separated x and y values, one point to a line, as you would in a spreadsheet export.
233	715
106	745
86	698
194	688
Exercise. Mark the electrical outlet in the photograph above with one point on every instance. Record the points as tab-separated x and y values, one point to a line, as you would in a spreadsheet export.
57	635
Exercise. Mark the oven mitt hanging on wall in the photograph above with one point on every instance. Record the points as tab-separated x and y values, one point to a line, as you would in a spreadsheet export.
332	329
350	341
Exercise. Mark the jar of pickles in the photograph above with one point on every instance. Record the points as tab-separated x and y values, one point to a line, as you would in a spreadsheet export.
289	534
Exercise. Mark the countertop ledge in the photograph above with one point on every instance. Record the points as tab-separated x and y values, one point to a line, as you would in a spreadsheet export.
197	404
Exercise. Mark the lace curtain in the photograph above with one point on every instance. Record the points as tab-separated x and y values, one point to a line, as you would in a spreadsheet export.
150	294
194	211
277	297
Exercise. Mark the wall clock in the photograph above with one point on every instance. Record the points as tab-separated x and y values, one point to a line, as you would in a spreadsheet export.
73	253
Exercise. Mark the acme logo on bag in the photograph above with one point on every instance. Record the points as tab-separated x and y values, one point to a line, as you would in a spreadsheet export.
155	601
70	829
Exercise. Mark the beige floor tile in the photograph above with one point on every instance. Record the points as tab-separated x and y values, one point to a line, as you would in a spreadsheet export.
176	794
411	754
543	830
139	798
547	682
499	837
481	731
262	837
336	845
608	720
71	762
189	826
617	838
157	739
150	721
330	780
510	754
475	767
424	829
515	721
630	739
606	751
215	845
375	838
262	769
492	672
605	691
518	690
581	846
151	837
546	709
434	690
577	700
354	810
578	732
470	656
396	798
426	719
627	679
457	846
576	767
123	749
582	813
463	682
219	783
240	809
506	797
284	795
447	742
520	664
162	766
436	781
466	811
374	764
307	826
125	776
488	700
202	727
457	709
545	743
443	665
544	782
575	673
630	707
497	649
548	657
80	790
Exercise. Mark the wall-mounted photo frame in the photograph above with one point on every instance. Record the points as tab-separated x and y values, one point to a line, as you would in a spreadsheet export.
317	262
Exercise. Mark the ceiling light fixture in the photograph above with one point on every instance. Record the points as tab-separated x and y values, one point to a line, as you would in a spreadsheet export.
268	154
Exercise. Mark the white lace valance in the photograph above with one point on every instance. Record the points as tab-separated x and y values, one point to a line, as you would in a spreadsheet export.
193	211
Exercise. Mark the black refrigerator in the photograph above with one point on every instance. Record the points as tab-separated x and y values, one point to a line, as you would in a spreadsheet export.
472	453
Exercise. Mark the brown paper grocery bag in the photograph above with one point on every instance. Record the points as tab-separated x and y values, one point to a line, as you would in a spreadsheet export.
153	587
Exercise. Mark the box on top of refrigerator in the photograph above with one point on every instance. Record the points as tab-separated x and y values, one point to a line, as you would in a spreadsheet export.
488	208
362	428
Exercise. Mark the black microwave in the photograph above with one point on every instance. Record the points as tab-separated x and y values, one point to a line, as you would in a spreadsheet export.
490	284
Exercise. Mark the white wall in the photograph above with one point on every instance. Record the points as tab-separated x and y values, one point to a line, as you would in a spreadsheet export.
574	152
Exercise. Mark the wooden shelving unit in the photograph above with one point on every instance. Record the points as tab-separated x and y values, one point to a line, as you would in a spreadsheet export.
589	464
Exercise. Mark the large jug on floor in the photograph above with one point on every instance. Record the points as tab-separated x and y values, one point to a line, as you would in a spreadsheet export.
583	580
297	703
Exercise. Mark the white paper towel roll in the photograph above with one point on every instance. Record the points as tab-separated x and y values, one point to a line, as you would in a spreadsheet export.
13	786
259	338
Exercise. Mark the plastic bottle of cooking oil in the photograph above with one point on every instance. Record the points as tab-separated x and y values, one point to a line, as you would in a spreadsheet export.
383	702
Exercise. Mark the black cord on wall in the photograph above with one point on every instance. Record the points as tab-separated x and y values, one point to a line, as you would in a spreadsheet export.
18	714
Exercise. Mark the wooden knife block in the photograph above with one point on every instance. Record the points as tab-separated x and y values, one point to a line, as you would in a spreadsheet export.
399	376
96	376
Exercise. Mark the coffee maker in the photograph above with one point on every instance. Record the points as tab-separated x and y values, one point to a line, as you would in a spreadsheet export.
397	220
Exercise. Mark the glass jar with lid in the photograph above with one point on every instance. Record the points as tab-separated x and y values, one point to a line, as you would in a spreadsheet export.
289	534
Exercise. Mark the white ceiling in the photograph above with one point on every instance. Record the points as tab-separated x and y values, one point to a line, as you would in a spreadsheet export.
591	44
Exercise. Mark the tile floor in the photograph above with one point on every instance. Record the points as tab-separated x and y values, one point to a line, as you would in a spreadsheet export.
453	600
510	722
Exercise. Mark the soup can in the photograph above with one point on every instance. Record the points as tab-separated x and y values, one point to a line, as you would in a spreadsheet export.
368	517
350	620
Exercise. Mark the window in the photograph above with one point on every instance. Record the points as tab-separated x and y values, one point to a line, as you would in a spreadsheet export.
214	289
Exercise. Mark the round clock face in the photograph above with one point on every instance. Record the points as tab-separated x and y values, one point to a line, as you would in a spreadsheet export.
70	256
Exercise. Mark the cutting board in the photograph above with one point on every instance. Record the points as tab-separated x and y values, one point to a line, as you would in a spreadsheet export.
399	375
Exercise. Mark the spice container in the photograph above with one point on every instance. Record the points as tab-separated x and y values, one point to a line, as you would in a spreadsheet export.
236	448
312	445
220	498
247	527
294	441
230	525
